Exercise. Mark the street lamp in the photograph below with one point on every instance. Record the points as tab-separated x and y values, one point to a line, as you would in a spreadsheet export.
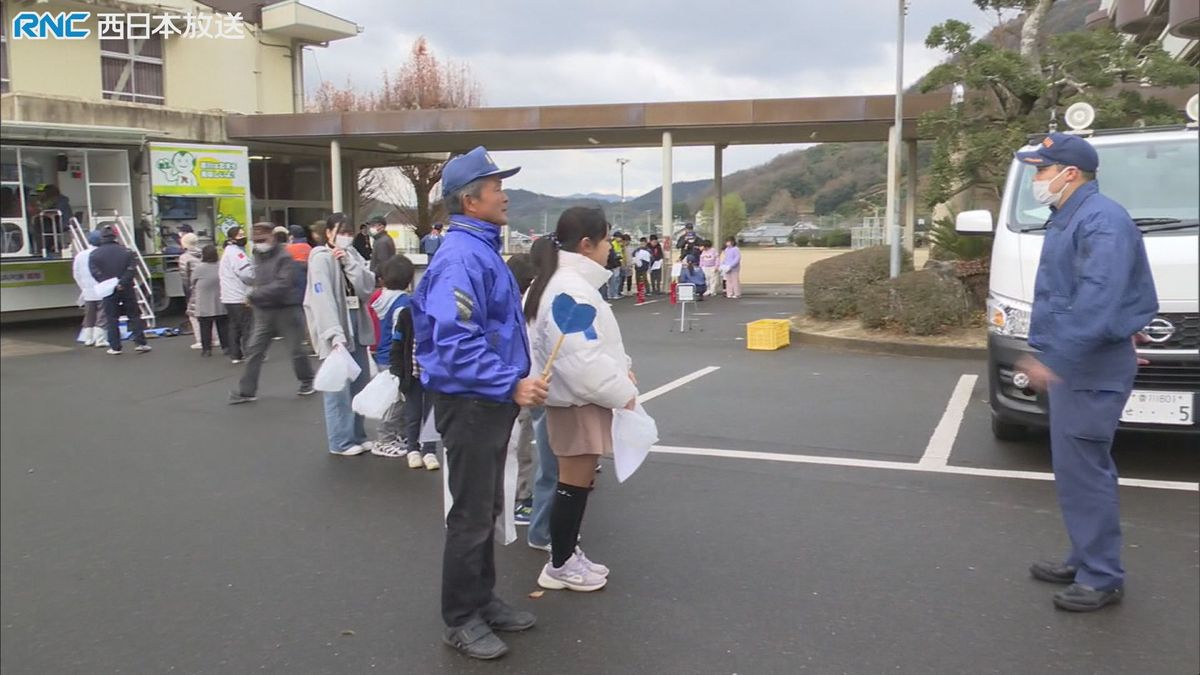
622	162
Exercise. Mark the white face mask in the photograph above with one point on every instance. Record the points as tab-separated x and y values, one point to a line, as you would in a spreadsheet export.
263	246
344	241
1042	193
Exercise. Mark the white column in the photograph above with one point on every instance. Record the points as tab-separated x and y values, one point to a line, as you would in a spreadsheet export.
893	206
335	174
667	205
718	172
910	197
298	78
889	210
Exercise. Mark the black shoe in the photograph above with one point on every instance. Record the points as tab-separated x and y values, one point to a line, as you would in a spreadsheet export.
306	390
1080	598
476	640
205	352
1052	572
501	616
236	398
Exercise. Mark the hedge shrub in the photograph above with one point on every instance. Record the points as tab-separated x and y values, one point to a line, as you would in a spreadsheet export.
832	287
919	303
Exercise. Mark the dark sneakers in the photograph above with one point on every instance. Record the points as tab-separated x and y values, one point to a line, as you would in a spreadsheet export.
502	616
1052	572
236	398
1080	598
476	640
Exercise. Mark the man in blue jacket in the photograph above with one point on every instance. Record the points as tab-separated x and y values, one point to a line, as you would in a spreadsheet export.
471	346
1092	297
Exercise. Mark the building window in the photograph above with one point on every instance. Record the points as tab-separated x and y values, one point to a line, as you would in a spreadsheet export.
3	53
132	70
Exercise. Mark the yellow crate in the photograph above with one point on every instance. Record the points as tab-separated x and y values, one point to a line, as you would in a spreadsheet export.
768	334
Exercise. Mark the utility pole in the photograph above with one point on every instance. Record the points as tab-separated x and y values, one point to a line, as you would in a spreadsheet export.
621	161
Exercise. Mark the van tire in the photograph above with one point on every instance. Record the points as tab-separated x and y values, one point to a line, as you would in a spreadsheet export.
1007	431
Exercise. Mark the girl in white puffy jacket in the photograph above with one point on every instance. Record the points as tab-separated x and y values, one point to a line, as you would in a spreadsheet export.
589	378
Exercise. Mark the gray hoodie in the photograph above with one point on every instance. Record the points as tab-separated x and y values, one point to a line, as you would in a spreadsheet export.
325	299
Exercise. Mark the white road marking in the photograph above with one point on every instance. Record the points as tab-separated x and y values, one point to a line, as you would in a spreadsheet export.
937	452
648	302
675	384
906	466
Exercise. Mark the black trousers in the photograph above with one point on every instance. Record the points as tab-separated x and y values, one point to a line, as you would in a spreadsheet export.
417	403
123	302
206	326
656	280
241	321
475	433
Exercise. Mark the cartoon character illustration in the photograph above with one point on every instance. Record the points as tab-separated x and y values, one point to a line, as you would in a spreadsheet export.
179	169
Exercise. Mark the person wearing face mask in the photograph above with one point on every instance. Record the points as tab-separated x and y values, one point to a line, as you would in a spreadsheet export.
276	302
1092	296
335	302
383	247
236	273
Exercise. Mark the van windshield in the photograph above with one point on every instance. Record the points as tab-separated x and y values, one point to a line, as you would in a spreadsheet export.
1154	180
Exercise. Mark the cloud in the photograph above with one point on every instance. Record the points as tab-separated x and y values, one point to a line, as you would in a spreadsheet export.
539	52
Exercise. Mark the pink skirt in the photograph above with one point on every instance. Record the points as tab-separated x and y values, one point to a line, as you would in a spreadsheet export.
580	430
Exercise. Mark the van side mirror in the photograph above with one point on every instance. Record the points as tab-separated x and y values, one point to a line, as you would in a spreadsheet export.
974	222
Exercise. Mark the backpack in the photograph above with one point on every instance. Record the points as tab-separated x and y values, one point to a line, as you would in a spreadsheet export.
614	260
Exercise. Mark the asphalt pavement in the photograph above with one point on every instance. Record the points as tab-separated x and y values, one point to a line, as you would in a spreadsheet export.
148	527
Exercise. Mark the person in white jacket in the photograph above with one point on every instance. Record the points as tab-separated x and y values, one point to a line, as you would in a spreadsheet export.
590	377
93	331
236	273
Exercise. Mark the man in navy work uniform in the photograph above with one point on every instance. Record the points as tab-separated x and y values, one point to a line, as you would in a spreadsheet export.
1092	297
471	345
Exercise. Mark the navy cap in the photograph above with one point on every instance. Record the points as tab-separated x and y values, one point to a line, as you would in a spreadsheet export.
470	167
297	231
1062	149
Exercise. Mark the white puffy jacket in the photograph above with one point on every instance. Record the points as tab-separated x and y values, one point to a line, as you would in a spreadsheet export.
588	369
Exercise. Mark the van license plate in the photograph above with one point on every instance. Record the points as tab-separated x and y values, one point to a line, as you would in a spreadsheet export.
1160	407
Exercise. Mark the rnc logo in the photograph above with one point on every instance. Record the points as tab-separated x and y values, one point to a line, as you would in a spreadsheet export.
42	25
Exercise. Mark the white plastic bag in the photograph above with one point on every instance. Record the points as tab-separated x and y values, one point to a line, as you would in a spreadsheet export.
633	434
336	370
380	393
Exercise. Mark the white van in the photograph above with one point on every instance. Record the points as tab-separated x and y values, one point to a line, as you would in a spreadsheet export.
1155	174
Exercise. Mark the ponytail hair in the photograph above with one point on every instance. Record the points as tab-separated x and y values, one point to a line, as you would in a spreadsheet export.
574	225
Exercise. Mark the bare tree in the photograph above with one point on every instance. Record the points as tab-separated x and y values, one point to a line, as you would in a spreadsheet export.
421	83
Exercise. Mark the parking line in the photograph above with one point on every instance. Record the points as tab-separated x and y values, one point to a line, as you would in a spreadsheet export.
675	384
906	466
937	452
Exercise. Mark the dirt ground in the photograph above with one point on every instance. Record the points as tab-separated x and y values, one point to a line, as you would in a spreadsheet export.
973	336
787	265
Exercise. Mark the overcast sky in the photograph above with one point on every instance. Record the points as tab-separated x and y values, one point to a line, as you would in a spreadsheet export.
542	52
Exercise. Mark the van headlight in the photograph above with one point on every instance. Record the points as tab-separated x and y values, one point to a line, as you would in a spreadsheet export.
1008	318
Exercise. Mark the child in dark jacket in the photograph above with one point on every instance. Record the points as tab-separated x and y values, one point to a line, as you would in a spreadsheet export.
400	428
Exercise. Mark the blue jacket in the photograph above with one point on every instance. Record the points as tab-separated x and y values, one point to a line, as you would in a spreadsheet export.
1093	293
389	329
693	276
467	321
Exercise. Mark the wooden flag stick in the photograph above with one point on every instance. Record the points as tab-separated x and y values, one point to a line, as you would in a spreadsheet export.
553	355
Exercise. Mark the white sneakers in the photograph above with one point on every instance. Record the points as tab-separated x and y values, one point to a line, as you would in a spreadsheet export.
429	461
574	575
351	451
